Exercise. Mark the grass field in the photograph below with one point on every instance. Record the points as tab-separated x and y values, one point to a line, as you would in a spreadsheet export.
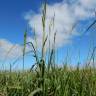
57	82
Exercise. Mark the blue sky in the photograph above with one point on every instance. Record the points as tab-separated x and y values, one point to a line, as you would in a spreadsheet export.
16	15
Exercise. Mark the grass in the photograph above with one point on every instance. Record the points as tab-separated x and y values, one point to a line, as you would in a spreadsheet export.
48	79
60	82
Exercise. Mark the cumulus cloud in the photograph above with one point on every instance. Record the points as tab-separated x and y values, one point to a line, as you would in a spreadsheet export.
88	3
66	15
9	50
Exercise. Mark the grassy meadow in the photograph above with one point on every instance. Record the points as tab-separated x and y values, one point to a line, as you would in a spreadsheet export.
45	78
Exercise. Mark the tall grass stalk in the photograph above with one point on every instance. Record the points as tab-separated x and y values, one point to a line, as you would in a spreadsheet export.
25	37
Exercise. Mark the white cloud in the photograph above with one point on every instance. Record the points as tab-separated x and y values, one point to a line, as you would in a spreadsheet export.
66	15
9	50
88	3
